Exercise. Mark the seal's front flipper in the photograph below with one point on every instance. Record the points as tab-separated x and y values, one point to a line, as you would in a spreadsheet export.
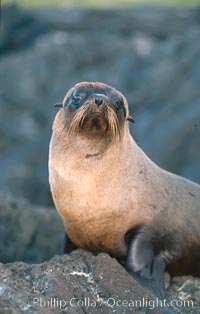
145	261
67	245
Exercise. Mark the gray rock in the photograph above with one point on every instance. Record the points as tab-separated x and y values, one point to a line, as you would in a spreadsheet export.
28	233
77	278
83	283
18	28
186	291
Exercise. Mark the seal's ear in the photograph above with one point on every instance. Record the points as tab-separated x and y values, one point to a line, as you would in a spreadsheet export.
58	105
129	118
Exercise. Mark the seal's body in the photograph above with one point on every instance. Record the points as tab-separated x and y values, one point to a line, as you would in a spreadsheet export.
111	197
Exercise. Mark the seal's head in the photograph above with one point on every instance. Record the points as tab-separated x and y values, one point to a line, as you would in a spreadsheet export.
94	109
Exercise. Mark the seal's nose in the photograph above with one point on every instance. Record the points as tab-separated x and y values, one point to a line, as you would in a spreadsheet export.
98	100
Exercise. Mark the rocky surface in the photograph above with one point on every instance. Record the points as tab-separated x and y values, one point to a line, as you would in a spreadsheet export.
83	283
80	275
151	55
28	233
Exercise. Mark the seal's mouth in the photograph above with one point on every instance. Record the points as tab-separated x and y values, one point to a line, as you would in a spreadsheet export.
98	121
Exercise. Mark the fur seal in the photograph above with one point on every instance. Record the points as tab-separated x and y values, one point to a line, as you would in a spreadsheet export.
112	198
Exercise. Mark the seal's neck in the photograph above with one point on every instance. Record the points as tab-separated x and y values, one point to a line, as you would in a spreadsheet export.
91	147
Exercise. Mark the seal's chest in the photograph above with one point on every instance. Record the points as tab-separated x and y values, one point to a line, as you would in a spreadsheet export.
97	229
92	198
92	205
93	214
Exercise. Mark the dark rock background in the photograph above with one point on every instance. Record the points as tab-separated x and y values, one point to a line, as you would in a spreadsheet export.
152	55
28	232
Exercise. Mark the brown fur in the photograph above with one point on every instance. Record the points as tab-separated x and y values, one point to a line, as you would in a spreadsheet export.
104	186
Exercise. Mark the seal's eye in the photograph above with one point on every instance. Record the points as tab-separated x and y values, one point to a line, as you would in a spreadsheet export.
76	98
118	104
